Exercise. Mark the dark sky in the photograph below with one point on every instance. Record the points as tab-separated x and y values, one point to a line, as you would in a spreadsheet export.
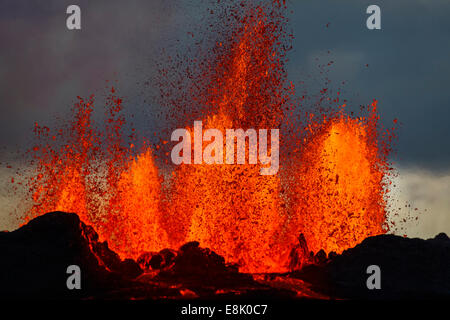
44	66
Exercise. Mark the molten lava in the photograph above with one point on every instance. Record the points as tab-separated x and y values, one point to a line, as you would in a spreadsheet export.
334	194
339	189
91	172
232	209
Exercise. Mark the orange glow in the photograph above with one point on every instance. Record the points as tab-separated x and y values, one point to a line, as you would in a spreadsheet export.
139	194
231	209
61	172
333	194
114	191
339	190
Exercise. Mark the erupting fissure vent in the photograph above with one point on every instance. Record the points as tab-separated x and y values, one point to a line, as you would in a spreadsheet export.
334	194
340	187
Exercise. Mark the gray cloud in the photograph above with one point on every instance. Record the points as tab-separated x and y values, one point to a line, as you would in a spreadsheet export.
44	66
408	65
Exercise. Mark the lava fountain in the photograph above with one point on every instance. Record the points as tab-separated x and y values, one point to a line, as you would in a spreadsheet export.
93	172
232	208
335	194
340	185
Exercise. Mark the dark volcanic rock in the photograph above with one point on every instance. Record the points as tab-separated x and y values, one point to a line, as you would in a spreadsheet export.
34	259
320	257
157	260
201	272
129	269
168	257
195	261
144	260
199	267
410	268
299	255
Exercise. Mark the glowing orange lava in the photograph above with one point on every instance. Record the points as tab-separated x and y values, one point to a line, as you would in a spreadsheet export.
232	209
339	188
334	193
113	190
